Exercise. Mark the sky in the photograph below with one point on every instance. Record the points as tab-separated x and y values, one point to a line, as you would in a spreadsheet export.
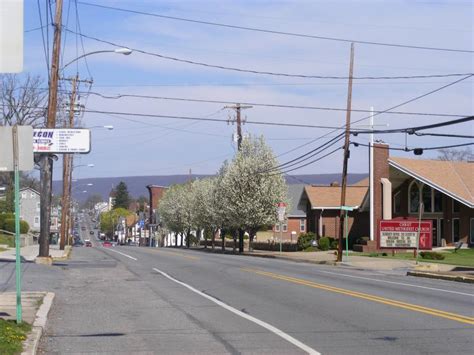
166	146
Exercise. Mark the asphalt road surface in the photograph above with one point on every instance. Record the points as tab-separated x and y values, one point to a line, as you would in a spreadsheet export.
172	301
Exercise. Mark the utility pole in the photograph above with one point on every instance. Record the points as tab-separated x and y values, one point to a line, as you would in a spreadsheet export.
342	214
46	163
238	120
66	168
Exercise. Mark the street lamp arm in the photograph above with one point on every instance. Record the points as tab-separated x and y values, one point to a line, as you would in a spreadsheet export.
125	51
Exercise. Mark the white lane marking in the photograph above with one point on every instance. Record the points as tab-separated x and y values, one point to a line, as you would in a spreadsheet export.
128	256
397	283
261	323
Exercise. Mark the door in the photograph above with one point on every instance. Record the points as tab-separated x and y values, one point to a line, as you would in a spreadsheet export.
434	233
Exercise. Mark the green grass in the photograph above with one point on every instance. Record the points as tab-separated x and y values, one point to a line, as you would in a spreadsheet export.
2	249
463	257
12	336
7	239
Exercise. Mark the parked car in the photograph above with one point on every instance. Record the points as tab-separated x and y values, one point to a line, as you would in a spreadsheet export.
107	244
83	228
91	232
78	243
88	243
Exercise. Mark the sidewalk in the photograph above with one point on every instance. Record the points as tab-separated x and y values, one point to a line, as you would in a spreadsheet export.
29	253
35	309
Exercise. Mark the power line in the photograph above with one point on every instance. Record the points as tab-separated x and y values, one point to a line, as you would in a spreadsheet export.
119	96
380	112
356	144
292	34
413	130
312	153
251	71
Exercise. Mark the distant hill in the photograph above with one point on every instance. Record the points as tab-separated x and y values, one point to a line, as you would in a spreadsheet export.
137	184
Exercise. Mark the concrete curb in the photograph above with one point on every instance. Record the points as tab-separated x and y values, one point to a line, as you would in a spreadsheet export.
433	275
30	345
318	262
66	254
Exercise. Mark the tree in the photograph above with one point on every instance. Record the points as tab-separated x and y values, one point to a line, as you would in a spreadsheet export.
91	201
252	188
171	210
109	220
23	100
122	198
456	154
142	202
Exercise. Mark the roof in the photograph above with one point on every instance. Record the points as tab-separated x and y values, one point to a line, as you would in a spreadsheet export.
329	197
363	182
31	189
294	195
455	179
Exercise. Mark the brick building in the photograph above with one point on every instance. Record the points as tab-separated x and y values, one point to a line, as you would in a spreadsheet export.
446	189
295	223
156	193
322	205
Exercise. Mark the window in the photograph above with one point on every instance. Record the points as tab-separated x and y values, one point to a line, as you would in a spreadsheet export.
285	227
32	194
456	206
437	201
471	232
397	201
38	206
23	194
302	225
37	220
456	230
414	200
426	193
277	227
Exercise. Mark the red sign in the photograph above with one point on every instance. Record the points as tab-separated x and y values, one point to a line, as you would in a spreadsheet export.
403	234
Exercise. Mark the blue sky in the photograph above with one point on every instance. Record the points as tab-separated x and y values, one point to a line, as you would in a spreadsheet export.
162	146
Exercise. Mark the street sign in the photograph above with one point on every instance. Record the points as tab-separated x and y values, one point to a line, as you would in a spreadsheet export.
11	36
25	151
403	234
61	140
281	209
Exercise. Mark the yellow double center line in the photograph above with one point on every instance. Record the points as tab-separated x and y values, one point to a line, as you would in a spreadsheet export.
373	298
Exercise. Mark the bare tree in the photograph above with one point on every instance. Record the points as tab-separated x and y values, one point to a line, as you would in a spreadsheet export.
23	100
456	154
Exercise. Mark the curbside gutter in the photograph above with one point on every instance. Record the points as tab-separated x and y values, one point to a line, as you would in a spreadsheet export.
30	345
442	276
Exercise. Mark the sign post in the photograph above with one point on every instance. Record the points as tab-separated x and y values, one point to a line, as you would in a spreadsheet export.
16	143
281	208
346	210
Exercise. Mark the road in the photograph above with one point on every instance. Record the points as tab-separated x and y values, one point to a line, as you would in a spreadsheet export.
148	300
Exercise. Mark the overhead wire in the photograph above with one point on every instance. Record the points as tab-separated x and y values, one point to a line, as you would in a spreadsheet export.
272	105
292	34
270	73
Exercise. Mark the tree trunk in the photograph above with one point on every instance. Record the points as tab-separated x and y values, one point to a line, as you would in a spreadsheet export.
188	239
241	240
213	240
235	242
223	242
251	236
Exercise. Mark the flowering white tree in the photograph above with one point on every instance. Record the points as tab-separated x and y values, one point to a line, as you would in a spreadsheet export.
173	210
252	188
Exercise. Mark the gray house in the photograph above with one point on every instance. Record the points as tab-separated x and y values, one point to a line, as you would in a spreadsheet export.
30	208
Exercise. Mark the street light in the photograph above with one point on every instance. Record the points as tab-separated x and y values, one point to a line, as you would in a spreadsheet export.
109	127
124	51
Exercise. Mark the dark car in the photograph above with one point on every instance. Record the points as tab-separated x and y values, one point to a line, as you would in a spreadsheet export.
91	232
88	243
78	243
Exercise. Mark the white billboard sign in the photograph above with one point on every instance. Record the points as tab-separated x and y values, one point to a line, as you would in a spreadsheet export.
61	140
11	36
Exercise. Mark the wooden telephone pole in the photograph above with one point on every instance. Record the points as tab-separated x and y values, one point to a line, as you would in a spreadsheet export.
46	162
343	214
67	162
238	120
